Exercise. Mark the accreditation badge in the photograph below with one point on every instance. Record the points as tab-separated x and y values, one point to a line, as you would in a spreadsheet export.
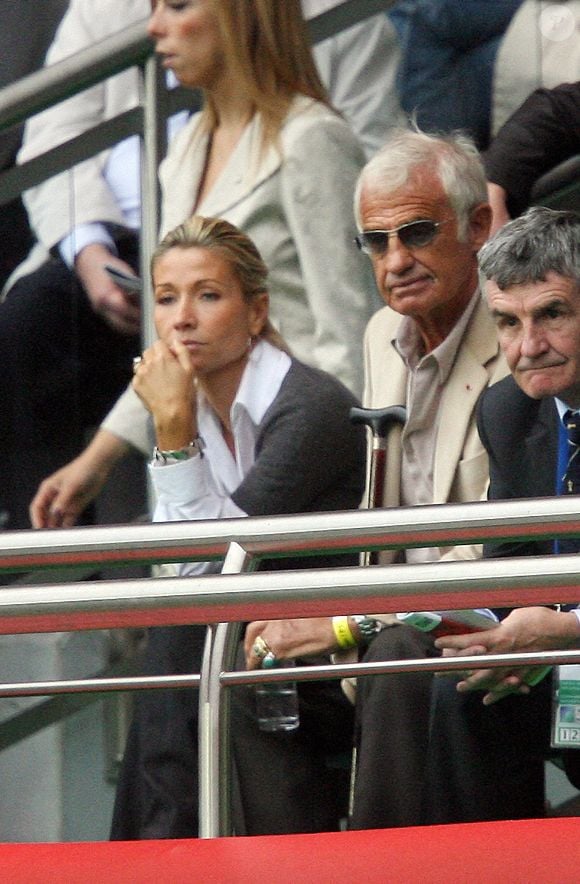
566	707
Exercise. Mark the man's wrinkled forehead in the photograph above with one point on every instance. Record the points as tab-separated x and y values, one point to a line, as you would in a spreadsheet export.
420	197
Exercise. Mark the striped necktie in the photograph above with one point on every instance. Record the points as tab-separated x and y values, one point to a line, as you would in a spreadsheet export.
571	479
572	474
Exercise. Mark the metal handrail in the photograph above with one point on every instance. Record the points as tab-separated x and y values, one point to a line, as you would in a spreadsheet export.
283	536
217	598
110	684
240	597
235	597
128	48
72	75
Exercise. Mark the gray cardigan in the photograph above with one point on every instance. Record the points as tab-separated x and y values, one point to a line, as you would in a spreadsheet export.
309	457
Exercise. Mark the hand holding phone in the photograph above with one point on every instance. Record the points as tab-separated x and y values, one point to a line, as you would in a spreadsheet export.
125	281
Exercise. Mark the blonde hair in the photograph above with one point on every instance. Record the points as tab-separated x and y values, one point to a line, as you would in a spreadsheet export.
237	249
270	54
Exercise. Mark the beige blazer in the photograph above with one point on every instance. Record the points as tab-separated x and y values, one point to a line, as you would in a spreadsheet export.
296	203
461	471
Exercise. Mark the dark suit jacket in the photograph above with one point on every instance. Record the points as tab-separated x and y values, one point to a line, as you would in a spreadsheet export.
521	438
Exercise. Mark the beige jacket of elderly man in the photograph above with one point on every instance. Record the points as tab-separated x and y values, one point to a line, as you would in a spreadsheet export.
392	711
460	464
460	468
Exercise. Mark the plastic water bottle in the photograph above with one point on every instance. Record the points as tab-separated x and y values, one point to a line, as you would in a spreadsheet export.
277	704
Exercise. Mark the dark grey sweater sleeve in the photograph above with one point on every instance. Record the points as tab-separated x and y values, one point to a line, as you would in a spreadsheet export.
309	458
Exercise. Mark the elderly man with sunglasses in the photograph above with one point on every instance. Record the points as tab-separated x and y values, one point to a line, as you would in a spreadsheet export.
422	212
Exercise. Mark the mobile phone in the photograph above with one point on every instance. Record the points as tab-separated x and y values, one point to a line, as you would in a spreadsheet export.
125	281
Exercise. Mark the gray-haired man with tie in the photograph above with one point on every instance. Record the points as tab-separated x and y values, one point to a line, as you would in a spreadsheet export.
483	754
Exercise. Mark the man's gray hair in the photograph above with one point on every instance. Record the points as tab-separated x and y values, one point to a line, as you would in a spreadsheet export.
453	157
538	242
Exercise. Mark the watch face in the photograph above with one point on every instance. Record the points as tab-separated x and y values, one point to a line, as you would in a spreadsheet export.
368	625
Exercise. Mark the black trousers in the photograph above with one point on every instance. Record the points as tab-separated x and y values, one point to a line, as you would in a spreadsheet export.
15	236
428	755
63	368
296	781
157	793
487	762
392	734
283	782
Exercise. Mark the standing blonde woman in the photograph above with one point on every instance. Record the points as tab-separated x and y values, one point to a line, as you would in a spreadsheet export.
269	154
241	428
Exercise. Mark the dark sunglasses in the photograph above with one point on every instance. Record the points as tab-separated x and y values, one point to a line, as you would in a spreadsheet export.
413	235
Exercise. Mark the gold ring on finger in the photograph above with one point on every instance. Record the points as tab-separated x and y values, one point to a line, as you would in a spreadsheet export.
260	648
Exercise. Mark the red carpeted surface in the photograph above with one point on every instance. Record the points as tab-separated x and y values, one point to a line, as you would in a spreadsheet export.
522	852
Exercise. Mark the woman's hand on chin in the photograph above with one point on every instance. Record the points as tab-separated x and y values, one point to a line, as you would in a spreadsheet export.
165	381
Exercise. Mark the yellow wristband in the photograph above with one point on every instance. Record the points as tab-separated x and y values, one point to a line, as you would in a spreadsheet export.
344	637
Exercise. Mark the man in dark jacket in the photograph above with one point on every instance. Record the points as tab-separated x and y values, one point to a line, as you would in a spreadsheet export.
486	759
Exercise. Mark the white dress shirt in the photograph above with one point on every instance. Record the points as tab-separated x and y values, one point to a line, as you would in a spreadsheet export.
201	487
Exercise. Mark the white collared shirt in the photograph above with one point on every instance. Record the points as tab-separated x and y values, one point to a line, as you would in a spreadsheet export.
563	408
201	487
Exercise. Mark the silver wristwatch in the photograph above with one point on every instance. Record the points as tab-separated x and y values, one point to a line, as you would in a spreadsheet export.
367	626
178	454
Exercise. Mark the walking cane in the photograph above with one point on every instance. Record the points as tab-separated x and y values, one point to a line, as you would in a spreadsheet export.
379	420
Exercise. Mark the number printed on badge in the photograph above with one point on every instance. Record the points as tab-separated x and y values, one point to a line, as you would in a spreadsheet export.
568	735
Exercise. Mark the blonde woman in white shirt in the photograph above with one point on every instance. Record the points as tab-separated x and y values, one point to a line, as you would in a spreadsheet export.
241	429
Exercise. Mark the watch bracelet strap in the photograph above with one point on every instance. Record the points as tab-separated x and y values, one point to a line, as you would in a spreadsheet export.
367	626
176	455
